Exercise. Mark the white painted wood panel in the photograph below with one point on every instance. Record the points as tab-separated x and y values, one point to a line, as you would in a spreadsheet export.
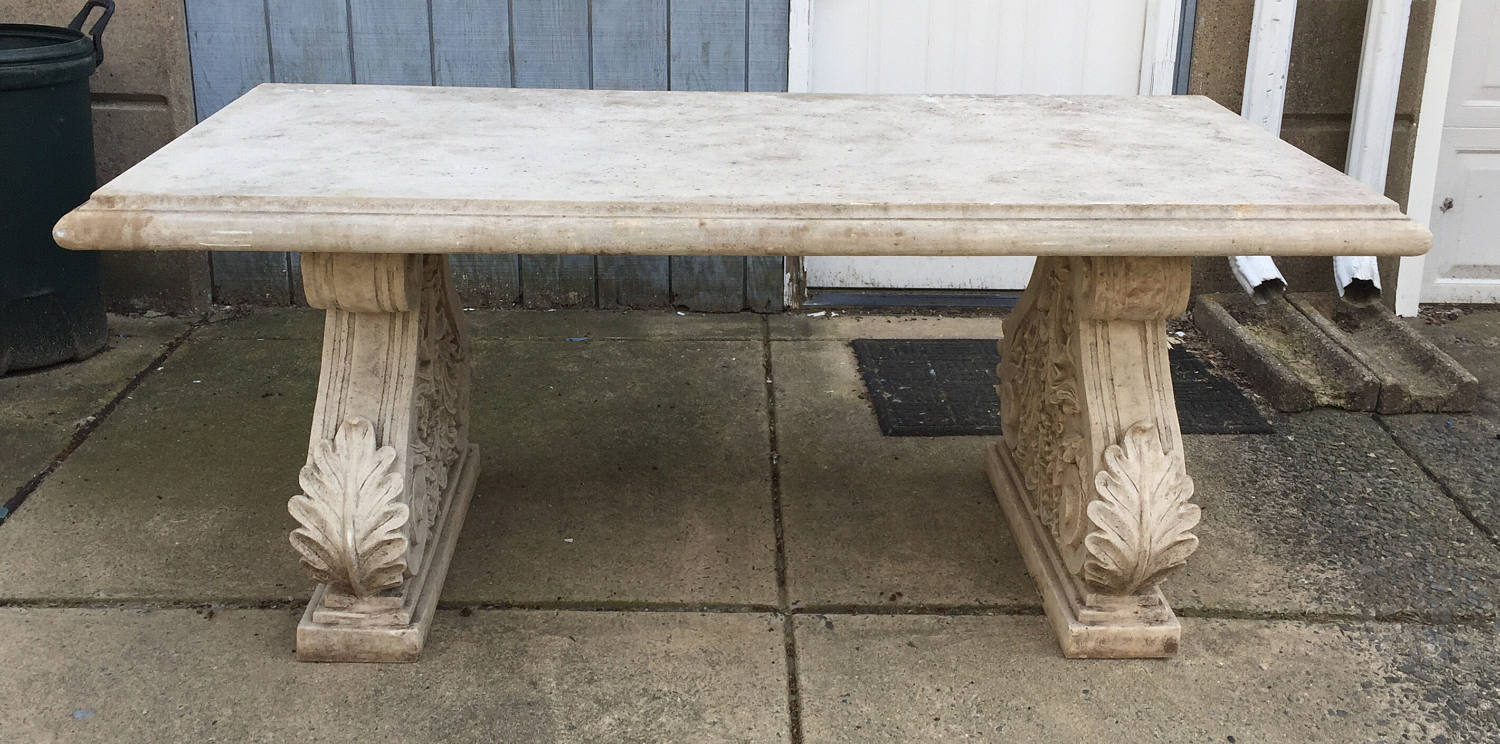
1411	277
1464	265
974	46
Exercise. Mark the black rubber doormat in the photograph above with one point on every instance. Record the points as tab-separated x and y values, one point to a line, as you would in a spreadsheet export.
946	387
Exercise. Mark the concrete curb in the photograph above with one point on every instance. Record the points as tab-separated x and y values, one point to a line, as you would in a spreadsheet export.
1415	376
1287	359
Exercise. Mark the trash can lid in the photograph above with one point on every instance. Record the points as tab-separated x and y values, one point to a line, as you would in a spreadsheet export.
33	56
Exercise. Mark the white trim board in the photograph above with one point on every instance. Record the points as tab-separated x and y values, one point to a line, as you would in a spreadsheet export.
1428	146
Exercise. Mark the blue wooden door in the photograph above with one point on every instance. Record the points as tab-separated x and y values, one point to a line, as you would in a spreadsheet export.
624	44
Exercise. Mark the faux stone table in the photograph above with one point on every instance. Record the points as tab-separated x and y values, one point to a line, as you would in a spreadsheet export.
375	185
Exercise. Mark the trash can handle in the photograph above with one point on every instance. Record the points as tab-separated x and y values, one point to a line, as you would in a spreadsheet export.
98	29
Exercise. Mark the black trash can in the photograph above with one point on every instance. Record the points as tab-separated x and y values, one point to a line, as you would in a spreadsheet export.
50	307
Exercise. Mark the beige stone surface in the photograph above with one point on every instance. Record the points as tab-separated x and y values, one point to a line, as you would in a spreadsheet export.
1320	98
126	675
1325	521
574	172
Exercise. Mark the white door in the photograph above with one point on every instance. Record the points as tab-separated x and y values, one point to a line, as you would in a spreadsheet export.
1464	265
974	46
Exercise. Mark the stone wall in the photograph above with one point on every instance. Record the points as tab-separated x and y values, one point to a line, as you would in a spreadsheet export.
1319	102
143	97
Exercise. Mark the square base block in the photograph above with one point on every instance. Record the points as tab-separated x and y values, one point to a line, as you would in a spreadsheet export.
1137	627
329	642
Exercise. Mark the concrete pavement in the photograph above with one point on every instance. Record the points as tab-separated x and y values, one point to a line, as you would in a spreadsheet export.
689	528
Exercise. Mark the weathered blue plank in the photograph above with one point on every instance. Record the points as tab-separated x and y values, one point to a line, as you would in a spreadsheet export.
392	42
551	39
471	42
764	280
630	44
768	44
708	45
708	53
231	54
471	46
630	53
309	41
557	281
634	281
767	71
294	279
230	51
250	278
486	280
309	44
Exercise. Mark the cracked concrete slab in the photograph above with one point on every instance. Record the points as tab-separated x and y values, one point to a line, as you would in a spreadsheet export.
280	323
615	324
612	472
1463	450
1328	516
181	492
1473	338
85	675
619	471
40	409
1000	678
556	325
876	520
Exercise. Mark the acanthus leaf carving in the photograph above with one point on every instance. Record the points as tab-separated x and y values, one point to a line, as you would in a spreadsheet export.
1142	517
351	513
1042	405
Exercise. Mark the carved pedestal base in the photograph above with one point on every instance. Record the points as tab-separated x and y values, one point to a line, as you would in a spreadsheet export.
390	470
336	634
1090	472
1139	626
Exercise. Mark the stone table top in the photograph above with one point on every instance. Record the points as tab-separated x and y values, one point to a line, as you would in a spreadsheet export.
448	170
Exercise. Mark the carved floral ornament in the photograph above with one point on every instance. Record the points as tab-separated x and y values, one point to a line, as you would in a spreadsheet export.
351	513
1142	517
367	524
1125	527
441	393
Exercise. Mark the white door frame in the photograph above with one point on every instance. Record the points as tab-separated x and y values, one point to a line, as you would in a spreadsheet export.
1159	47
1428	146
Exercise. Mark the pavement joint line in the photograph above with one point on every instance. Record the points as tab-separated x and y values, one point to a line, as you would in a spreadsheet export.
730	608
94	421
783	601
1480	622
1458	501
